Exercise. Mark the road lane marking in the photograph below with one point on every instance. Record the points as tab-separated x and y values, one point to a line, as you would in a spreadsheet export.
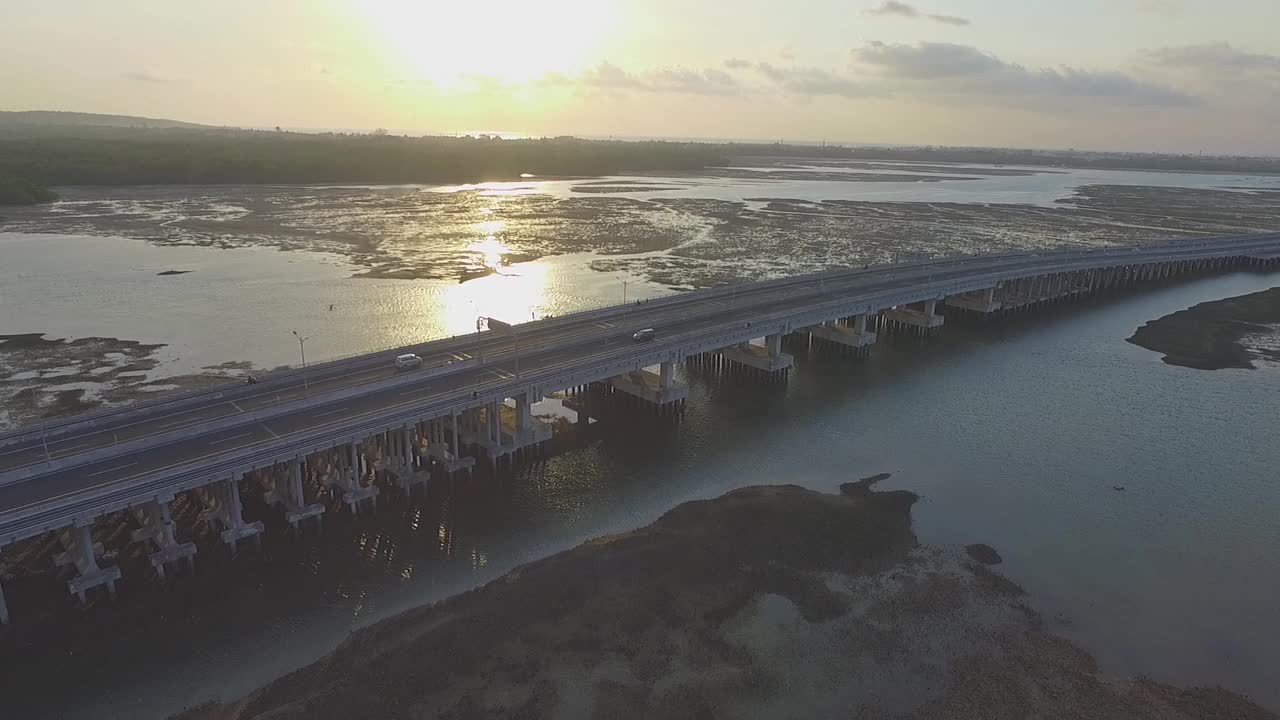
236	405
330	412
603	325
229	439
118	467
273	432
180	422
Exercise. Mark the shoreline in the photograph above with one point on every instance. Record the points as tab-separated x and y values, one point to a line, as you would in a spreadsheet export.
767	601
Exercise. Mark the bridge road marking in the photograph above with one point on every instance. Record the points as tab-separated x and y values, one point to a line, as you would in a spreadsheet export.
603	325
236	405
330	412
229	439
118	467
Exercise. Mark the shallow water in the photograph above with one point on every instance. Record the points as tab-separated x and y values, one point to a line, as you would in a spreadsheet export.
1014	434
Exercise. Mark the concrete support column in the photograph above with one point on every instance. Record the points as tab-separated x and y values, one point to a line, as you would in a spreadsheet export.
291	492
454	446
495	422
524	416
81	552
930	307
354	471
230	512
860	324
159	529
773	343
4	609
406	444
668	373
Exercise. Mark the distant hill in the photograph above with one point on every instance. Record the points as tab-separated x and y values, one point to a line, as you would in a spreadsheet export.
48	118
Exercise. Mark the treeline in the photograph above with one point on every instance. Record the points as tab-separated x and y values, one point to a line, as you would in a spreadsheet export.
1008	156
20	191
173	156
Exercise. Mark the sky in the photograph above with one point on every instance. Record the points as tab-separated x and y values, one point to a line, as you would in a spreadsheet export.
1146	75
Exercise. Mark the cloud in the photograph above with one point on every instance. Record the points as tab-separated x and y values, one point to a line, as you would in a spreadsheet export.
1220	57
143	76
813	81
607	76
927	60
945	69
893	8
1227	74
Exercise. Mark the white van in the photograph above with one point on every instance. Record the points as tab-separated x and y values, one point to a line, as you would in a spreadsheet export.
644	335
408	360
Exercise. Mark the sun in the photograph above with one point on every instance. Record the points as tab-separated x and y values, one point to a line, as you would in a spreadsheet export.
444	41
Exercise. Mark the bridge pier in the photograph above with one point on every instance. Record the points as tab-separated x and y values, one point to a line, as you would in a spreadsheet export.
159	528
341	468
447	449
922	322
4	608
767	362
224	506
843	337
659	393
83	553
287	490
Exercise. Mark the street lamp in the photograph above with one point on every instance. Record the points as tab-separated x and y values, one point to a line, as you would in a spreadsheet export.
624	289
306	385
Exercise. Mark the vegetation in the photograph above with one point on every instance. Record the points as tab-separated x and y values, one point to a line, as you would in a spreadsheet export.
49	148
20	191
127	156
1013	156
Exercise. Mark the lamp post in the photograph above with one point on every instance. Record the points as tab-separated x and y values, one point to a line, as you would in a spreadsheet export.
302	348
624	289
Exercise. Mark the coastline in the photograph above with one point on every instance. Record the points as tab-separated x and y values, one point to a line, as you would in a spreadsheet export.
767	601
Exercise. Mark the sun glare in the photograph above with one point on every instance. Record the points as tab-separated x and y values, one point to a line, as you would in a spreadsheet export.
507	40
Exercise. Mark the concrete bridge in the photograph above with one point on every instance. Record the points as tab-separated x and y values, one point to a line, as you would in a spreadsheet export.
340	433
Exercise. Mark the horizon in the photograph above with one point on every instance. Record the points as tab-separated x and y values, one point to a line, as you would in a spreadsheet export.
1165	76
514	135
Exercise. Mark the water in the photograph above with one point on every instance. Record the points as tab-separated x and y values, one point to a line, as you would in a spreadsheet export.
1014	434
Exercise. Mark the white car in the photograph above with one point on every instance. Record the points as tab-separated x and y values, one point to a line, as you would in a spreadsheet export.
408	360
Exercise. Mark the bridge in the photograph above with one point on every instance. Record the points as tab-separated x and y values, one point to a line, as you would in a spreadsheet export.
339	433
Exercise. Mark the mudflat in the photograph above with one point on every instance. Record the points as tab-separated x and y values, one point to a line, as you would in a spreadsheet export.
772	601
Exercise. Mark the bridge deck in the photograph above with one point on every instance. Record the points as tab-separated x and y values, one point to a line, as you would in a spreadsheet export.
108	465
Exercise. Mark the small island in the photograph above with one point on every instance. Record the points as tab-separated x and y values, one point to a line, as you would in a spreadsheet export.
1207	336
771	601
20	191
